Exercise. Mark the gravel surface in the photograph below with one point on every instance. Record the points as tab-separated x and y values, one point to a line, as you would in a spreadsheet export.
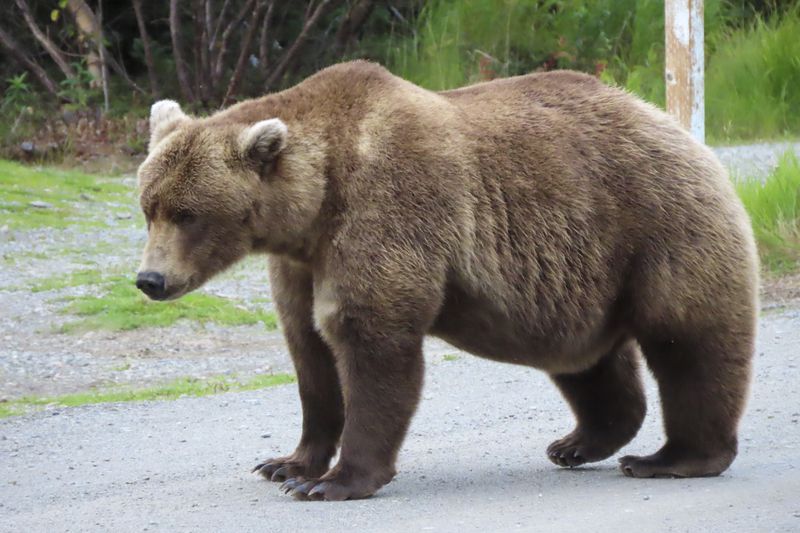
473	461
754	160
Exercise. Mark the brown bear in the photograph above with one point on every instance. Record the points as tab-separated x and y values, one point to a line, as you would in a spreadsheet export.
545	220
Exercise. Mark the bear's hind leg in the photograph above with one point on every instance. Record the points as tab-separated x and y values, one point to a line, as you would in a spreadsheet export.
608	403
703	385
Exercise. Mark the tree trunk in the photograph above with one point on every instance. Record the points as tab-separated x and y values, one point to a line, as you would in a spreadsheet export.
244	52
212	43
102	49
90	29
54	52
299	42
355	18
263	46
16	51
205	49
180	64
219	62
201	81
148	53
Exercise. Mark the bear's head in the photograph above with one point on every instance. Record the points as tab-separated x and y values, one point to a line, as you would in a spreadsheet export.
213	191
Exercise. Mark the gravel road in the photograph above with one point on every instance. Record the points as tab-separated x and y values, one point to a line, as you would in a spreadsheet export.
754	160
474	461
474	458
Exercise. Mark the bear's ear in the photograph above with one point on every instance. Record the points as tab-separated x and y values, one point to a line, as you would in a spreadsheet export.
165	116
264	140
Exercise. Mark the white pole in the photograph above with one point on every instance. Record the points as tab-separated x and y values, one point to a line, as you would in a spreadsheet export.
685	64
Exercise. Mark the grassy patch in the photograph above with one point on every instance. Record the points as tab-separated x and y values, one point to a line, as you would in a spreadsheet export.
183	387
752	81
450	357
73	279
753	63
774	208
123	307
70	195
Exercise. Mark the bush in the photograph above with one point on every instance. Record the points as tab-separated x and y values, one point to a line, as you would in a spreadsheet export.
753	81
753	68
774	208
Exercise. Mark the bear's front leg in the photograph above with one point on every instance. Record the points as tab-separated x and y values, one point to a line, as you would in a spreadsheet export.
317	379
382	375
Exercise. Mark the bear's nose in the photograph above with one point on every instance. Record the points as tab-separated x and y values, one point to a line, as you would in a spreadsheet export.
151	283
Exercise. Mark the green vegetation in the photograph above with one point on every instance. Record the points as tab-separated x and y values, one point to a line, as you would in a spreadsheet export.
774	208
753	62
753	81
61	111
458	42
73	279
123	307
450	357
69	197
183	387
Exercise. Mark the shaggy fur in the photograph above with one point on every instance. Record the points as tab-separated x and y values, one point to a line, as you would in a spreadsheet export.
545	220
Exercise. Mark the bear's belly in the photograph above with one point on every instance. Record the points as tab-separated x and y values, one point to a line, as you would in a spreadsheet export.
477	326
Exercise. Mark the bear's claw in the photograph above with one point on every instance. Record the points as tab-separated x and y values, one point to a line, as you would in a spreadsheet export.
304	490
327	490
290	484
566	458
280	474
282	468
579	448
273	471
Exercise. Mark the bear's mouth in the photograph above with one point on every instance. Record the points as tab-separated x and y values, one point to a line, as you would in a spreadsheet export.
173	291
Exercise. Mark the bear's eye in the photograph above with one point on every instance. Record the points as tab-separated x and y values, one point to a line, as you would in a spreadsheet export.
183	217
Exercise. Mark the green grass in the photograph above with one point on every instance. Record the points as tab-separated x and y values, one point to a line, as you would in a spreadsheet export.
72	196
122	307
450	357
753	65
73	279
183	387
774	208
753	81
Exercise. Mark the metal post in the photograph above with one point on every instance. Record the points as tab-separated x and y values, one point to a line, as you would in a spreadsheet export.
685	64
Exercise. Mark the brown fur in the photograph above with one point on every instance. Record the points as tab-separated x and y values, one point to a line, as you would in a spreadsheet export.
546	220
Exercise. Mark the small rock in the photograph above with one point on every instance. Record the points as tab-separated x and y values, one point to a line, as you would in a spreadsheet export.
123	216
69	116
86	197
266	436
39	204
27	147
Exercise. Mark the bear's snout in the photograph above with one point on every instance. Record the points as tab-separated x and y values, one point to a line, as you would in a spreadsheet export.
152	284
